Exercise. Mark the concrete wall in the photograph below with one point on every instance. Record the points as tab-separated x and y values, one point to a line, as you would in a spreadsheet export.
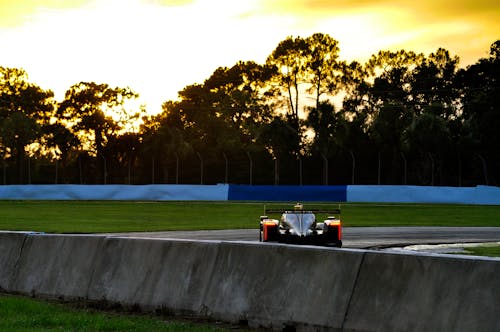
263	284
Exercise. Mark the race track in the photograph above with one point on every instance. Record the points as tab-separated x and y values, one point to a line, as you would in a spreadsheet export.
353	237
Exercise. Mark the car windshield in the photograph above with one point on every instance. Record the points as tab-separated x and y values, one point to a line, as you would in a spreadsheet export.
291	217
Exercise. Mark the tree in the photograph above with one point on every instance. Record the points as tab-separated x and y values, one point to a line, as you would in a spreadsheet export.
289	63
88	109
479	87
479	115
225	112
162	138
239	98
324	71
432	84
25	109
281	139
323	120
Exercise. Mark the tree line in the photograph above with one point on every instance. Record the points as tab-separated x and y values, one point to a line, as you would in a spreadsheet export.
303	117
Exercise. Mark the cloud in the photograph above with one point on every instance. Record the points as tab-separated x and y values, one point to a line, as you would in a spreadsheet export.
425	9
15	13
168	3
366	26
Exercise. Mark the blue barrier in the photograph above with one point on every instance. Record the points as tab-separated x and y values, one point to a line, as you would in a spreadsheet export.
485	195
287	193
159	192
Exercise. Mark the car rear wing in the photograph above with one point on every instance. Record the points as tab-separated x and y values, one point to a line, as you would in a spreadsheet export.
280	211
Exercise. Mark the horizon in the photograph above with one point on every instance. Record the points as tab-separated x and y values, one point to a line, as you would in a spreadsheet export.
157	47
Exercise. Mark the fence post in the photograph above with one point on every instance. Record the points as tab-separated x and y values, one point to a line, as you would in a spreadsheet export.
226	176
379	166
129	166
201	167
404	167
325	169
80	169
29	170
485	168
105	170
432	168
176	168
300	170
4	170
353	166
251	165
152	170
459	171
276	172
57	170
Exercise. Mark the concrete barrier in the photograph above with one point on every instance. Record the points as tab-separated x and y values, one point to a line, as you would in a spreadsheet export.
171	275
267	285
275	286
57	265
425	292
11	244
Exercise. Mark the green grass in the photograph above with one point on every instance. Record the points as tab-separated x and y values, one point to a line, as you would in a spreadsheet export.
18	314
421	215
491	251
128	216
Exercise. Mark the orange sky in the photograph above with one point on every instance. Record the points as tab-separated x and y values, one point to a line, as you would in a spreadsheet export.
157	47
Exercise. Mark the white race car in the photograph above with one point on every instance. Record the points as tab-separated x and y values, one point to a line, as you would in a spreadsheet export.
300	226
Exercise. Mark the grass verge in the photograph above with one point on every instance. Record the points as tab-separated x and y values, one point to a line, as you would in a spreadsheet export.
20	314
490	251
131	216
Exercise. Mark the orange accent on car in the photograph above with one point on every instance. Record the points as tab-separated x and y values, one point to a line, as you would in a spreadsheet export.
338	225
265	231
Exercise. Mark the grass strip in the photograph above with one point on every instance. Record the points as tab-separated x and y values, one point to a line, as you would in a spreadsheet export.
132	216
20	314
490	251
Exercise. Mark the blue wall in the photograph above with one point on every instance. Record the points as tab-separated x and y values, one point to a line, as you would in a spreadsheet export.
288	193
423	194
156	192
368	194
223	192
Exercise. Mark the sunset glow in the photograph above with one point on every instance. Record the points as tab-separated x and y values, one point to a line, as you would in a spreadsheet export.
157	47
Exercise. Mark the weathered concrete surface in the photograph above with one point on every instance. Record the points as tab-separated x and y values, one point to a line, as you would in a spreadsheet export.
57	265
11	244
171	275
274	286
425	292
268	285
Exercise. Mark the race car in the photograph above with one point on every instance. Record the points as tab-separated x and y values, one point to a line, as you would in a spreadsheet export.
300	226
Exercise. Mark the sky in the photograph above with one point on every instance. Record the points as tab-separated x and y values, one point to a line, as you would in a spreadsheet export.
157	47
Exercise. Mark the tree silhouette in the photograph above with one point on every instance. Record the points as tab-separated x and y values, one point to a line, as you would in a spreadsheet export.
87	110
412	110
324	70
289	62
24	109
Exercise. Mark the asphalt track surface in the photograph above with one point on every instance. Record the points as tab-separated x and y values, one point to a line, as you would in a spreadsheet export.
353	237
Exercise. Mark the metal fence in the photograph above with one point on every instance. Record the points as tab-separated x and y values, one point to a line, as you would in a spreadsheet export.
259	168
